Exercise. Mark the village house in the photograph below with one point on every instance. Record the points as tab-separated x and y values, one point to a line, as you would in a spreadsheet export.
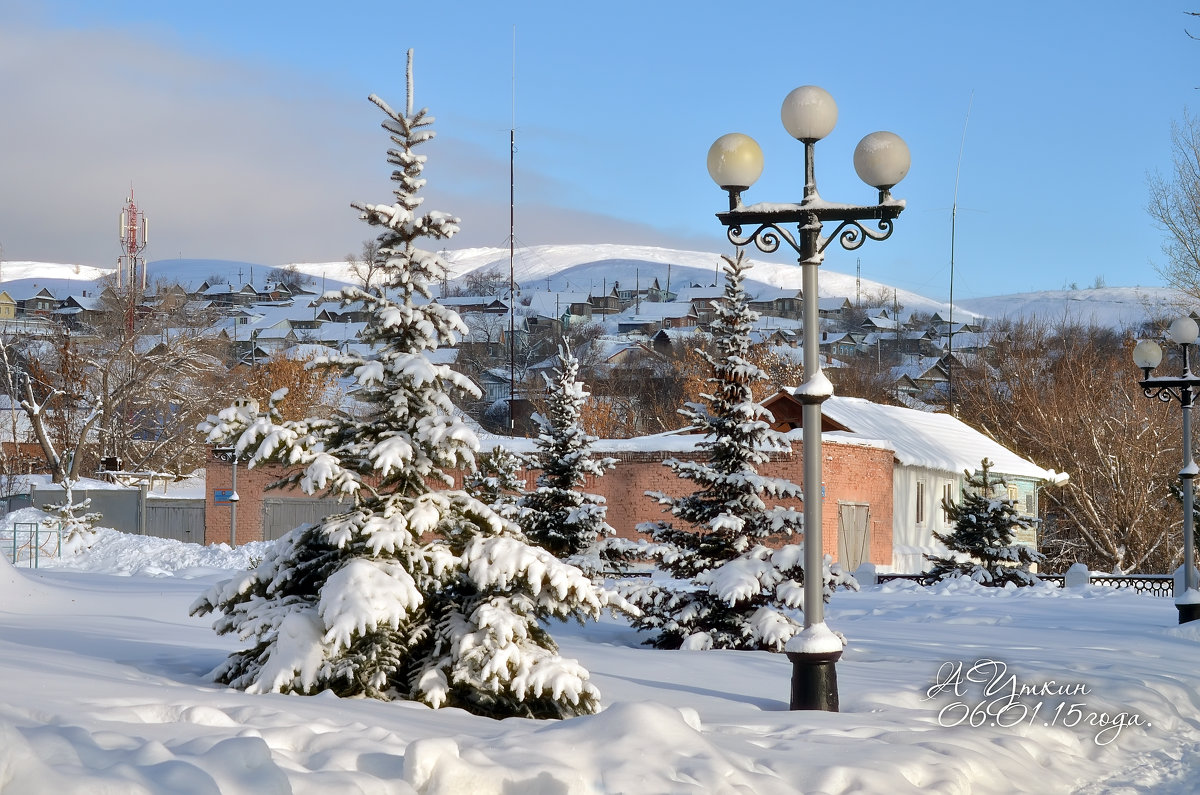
932	452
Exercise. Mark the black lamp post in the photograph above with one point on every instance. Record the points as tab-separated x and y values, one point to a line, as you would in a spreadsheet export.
735	162
1147	355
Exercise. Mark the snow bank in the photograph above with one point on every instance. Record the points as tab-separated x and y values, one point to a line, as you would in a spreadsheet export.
124	554
104	687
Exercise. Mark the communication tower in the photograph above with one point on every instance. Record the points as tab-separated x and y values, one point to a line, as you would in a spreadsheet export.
131	266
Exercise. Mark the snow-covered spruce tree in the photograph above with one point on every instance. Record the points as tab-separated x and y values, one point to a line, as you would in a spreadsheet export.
418	591
495	481
728	589
981	543
557	516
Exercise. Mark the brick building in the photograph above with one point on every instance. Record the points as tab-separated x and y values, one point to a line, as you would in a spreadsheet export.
857	491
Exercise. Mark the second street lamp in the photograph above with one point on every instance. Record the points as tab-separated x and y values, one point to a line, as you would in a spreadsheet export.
735	162
1147	355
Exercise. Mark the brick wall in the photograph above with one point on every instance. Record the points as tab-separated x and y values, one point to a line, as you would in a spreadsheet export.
852	472
251	485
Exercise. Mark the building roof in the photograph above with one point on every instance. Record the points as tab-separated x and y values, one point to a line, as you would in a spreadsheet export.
925	439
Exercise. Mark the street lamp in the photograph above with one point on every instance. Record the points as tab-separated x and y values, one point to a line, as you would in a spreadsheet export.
1147	355
230	455
735	162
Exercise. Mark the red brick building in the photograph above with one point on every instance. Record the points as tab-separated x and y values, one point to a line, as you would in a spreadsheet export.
857	487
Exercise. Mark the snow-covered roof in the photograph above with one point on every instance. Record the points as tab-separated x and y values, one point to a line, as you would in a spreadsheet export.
932	441
651	311
554	304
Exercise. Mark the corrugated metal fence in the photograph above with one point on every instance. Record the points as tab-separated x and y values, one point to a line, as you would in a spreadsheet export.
125	509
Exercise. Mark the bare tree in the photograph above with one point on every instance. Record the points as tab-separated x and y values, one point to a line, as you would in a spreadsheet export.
1175	207
131	388
367	265
1067	398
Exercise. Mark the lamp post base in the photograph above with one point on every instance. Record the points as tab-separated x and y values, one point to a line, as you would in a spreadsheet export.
814	680
1187	612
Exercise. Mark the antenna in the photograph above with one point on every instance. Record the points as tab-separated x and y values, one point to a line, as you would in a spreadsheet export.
953	218
512	243
134	234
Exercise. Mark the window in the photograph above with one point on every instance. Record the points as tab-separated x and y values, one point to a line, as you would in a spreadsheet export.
1029	504
947	499
920	502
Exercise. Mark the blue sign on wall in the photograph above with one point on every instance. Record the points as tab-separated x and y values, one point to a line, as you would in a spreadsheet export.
222	495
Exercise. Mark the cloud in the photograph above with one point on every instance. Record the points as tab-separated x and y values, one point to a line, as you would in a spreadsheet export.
229	159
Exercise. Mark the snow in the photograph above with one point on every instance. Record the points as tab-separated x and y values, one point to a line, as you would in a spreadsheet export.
929	440
106	688
815	639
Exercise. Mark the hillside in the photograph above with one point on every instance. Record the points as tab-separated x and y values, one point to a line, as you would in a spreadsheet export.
597	268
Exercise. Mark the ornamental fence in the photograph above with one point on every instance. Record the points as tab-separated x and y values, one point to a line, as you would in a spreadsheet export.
1153	584
29	542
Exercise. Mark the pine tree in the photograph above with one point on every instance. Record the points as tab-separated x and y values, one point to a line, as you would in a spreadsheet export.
417	591
495	481
985	521
729	590
558	516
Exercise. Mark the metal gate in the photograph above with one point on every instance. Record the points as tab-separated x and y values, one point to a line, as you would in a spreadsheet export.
178	519
281	515
854	534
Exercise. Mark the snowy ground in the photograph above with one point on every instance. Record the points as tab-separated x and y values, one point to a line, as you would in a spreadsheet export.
105	689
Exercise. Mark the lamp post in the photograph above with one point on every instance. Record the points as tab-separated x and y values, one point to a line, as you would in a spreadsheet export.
1147	355
230	454
735	162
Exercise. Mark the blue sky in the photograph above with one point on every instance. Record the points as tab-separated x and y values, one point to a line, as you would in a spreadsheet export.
245	130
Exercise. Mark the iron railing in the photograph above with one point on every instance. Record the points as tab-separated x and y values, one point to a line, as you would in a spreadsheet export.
29	542
1153	584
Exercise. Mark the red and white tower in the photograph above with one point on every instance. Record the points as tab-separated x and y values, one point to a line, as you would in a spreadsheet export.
131	266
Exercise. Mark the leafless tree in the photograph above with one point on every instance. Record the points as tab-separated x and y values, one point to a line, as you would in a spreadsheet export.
367	264
1066	397
1175	206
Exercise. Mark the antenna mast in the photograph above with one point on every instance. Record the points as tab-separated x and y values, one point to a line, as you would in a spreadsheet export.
512	238
953	218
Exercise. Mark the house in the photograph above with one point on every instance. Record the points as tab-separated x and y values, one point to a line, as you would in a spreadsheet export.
702	300
474	303
932	452
777	302
923	377
609	304
8	306
835	310
570	308
837	344
40	304
656	293
648	317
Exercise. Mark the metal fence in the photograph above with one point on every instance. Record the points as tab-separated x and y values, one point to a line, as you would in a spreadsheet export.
283	514
127	510
1153	584
118	508
29	542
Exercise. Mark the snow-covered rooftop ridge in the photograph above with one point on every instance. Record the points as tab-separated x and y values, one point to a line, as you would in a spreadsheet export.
928	440
680	441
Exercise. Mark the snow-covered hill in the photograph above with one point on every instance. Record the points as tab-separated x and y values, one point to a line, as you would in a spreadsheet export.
597	268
